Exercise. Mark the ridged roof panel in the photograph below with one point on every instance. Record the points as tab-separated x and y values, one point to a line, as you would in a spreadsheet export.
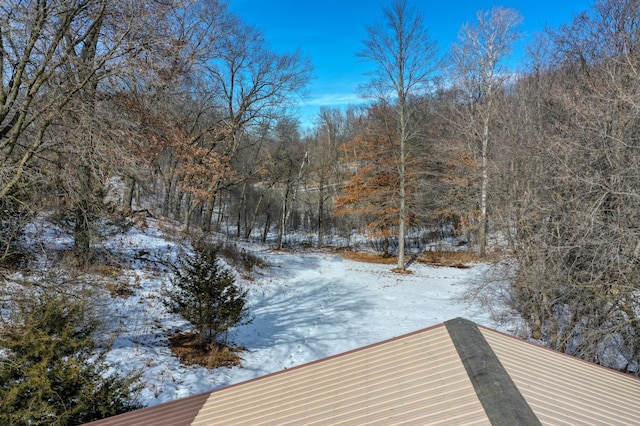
416	379
563	390
421	378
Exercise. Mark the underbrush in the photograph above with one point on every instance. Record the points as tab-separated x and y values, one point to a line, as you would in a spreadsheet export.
242	260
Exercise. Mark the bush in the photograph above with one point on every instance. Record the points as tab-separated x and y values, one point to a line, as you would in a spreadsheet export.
14	216
49	373
240	258
205	293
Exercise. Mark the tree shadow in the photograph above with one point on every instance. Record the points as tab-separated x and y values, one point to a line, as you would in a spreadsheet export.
306	314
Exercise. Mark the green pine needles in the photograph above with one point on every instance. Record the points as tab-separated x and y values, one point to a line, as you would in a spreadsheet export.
49	371
205	293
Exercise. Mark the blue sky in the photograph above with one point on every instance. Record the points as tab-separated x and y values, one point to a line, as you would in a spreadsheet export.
330	32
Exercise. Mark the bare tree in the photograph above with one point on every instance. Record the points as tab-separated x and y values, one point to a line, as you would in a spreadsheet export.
324	161
404	58
58	60
291	165
42	45
478	70
576	250
254	83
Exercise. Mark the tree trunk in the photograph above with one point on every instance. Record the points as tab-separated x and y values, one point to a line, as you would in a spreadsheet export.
82	238
402	167
177	206
241	207
482	229
321	213
402	210
283	218
254	217
267	225
188	210
208	215
166	202
129	188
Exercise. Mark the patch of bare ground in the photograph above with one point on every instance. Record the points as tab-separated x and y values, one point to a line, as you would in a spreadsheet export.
186	346
361	256
454	259
402	271
118	289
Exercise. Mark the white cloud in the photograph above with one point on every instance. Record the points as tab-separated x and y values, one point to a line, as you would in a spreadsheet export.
331	99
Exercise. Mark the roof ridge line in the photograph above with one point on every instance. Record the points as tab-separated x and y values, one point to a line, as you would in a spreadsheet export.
502	401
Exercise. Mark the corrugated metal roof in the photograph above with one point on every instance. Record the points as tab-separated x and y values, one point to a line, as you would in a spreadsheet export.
451	374
418	379
563	390
180	412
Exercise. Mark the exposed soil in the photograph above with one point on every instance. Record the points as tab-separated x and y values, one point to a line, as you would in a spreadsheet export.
455	259
186	346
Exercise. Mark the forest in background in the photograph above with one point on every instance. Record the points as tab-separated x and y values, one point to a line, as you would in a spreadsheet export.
177	109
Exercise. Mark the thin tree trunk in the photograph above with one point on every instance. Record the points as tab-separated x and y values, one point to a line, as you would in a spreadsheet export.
221	207
166	202
208	215
482	230
283	218
241	206
267	225
129	188
188	210
402	190
254	217
321	215
177	206
267	221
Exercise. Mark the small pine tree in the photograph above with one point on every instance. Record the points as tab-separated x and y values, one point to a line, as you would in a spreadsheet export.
49	373
205	293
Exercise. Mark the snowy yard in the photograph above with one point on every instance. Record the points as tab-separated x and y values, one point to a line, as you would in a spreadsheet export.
307	306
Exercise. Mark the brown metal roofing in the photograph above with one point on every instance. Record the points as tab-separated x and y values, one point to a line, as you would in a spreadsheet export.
564	390
451	374
418	379
180	412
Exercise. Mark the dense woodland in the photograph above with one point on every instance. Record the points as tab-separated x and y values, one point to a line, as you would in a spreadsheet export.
178	109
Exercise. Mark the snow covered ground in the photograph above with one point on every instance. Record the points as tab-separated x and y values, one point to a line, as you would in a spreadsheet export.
307	306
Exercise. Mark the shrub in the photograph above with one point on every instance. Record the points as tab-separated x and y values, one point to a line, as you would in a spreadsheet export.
205	293
240	258
49	373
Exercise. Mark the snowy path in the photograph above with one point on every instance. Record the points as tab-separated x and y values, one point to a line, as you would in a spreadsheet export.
307	306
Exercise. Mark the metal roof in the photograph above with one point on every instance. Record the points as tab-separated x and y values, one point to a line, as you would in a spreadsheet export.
563	390
454	373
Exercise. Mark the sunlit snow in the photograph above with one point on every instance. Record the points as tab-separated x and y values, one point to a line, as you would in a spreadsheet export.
307	306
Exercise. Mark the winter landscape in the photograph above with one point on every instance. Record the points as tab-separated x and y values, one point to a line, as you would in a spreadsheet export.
134	134
307	305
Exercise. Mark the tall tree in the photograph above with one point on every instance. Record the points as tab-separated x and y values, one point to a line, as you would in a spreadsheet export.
404	58
371	186
255	83
291	167
478	70
577	244
56	59
324	160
